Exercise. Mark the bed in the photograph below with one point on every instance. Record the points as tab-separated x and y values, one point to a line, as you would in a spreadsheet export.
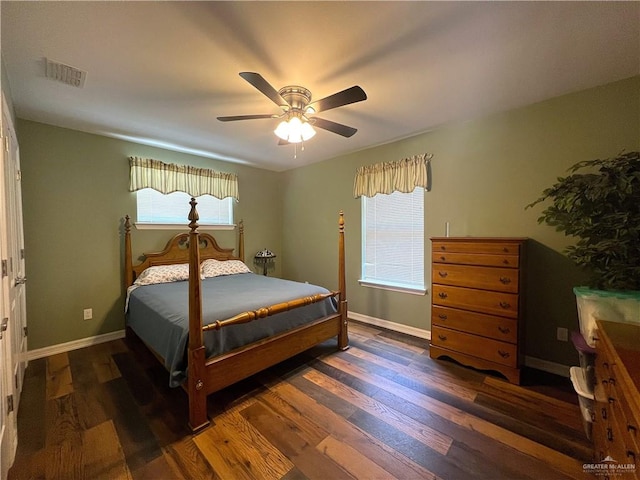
212	322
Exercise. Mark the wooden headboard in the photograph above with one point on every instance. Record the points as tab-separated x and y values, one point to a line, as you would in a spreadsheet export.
177	251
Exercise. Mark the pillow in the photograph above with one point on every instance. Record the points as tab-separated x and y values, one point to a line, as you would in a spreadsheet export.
163	274
217	268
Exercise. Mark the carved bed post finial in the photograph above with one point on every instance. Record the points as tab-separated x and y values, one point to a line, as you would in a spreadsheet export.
343	336
193	215
241	239
128	259
341	267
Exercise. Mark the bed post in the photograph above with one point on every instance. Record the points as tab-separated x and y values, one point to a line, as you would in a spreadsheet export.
128	260
343	336
196	352
241	240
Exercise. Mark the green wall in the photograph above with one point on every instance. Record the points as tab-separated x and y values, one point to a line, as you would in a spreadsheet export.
75	195
485	172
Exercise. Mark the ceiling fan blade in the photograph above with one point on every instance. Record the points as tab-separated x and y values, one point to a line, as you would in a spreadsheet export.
245	117
265	87
345	97
334	127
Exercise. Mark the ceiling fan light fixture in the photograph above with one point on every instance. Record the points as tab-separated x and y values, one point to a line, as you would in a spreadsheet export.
282	130
294	130
307	131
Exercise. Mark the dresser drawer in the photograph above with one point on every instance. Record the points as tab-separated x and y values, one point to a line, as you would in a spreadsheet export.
624	418
485	278
485	348
495	303
476	247
482	259
499	328
630	425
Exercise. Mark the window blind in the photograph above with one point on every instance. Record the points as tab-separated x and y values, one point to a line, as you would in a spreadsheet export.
393	239
154	207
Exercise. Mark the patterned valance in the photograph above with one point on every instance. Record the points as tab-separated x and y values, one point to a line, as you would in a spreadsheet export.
399	176
169	178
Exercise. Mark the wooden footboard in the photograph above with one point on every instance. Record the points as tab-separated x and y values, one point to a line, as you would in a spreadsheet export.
206	376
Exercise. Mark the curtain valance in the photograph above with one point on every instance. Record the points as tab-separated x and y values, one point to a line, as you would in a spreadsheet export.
169	178
399	176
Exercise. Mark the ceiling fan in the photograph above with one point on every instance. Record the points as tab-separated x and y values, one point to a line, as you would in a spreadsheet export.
298	112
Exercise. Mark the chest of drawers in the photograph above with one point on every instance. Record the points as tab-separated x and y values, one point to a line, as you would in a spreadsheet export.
477	310
616	415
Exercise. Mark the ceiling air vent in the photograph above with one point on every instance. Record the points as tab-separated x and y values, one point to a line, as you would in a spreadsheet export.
65	73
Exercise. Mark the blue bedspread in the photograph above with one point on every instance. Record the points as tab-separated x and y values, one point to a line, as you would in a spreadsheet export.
159	314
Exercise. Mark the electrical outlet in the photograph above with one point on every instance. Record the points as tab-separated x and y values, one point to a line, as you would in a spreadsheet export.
88	313
562	334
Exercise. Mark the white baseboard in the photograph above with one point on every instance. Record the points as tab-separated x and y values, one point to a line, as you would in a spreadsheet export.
74	345
396	327
547	366
533	362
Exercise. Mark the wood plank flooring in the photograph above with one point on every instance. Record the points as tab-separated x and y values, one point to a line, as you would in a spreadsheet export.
380	410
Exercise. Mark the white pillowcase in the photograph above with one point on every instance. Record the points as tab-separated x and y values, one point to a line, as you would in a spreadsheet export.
163	274
217	268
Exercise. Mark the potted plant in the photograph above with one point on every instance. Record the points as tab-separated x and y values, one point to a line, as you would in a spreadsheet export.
599	204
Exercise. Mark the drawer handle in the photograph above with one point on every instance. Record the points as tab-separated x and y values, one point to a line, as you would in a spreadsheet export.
505	304
443	295
604	413
612	400
443	274
442	337
505	280
505	250
505	261
504	330
612	381
443	247
503	354
605	383
632	428
442	316
605	364
609	434
632	455
443	258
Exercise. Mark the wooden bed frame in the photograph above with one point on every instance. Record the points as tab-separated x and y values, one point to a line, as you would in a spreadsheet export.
208	375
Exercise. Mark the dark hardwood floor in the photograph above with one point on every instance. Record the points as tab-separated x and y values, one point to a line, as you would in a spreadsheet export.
382	409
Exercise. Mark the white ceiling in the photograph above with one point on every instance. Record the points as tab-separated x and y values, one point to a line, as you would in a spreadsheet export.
161	72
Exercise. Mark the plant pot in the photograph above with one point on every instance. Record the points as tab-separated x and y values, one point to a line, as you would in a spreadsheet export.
613	306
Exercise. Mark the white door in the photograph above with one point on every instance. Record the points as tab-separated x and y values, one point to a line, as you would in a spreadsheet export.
7	419
12	293
17	275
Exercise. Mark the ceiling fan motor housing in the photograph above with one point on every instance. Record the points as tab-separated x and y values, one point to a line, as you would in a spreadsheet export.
296	96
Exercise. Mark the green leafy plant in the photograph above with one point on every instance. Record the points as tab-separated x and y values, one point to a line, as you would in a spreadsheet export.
601	207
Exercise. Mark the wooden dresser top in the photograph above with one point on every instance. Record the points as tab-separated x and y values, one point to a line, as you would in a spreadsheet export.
625	339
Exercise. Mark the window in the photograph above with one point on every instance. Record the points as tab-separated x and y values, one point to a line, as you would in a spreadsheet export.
157	209
393	241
